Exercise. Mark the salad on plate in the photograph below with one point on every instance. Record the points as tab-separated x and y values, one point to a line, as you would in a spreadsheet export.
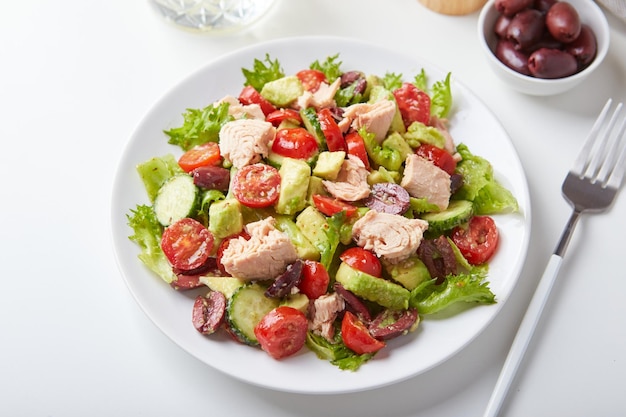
327	210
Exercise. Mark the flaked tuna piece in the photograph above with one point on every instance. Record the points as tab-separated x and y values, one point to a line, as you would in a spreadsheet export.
324	311
390	236
351	183
323	97
376	118
423	179
241	111
246	141
264	256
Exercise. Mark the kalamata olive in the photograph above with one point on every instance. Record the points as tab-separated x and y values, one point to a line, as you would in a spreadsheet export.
387	197
551	63
544	5
546	41
353	303
563	22
510	7
285	282
392	323
356	78
511	57
439	258
211	177
501	25
526	28
456	182
584	47
209	312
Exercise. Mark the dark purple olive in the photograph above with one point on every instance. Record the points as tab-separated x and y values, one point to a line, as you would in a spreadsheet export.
511	57
356	78
563	22
501	25
584	47
544	5
551	63
353	303
526	28
456	182
387	197
510	7
209	312
392	323
211	177
546	41
285	282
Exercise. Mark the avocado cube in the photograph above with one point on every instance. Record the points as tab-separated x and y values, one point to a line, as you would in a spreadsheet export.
410	273
283	91
312	223
329	164
369	287
304	248
294	185
225	218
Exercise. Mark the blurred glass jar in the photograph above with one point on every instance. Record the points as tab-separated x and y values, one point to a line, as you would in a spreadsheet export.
216	16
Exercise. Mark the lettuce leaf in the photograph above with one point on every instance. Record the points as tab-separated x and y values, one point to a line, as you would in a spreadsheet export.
200	126
441	98
330	67
337	353
147	234
263	72
155	171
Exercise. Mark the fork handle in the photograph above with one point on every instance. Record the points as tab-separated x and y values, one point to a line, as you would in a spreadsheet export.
523	336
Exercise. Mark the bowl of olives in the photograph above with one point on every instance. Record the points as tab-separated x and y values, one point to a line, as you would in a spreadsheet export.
543	47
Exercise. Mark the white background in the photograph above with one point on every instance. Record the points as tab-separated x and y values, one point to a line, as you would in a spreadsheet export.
75	79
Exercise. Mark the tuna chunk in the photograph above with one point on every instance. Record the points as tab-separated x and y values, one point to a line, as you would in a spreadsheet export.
423	179
376	118
240	111
323	97
390	236
351	183
324	312
246	141
264	256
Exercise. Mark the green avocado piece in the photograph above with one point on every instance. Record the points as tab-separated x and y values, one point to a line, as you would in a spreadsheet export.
304	247
283	91
298	301
369	287
294	185
329	164
312	223
226	285
410	272
225	218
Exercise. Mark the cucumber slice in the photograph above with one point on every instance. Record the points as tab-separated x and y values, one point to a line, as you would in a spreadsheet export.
312	124
245	309
177	198
457	213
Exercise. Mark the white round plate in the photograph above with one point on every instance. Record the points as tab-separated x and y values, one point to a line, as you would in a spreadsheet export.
437	339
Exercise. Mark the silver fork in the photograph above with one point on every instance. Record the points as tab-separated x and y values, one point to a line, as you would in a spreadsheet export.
591	185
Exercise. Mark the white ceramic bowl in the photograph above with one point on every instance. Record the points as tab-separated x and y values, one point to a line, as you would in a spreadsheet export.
589	13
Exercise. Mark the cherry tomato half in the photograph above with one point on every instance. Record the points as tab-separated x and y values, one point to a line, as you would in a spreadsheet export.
478	240
315	279
413	103
282	331
295	143
356	147
311	79
250	96
256	185
330	206
332	133
362	260
187	244
439	157
199	156
357	337
278	116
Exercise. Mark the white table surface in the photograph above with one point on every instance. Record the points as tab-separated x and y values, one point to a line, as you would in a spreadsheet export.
76	77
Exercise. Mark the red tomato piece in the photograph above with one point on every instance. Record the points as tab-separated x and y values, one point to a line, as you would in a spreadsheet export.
357	337
282	331
356	147
311	79
295	143
362	260
250	96
439	157
199	156
478	240
315	279
330	205
332	133
413	103
187	244
256	185
278	116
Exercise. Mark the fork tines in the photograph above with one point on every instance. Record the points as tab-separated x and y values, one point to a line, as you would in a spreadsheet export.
602	156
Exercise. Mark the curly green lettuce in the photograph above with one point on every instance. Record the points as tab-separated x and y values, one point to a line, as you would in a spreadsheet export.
263	72
331	68
200	126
